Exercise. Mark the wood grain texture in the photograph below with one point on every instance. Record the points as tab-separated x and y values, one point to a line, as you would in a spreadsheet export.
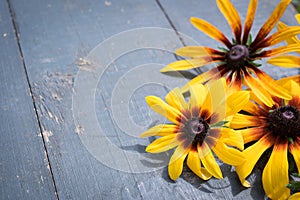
24	169
53	40
56	40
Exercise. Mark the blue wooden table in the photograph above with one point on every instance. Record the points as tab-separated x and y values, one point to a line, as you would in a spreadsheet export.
74	75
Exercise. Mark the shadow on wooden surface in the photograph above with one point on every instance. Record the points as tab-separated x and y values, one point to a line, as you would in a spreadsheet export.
46	152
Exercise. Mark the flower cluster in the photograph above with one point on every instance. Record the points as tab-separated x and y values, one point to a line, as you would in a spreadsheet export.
235	111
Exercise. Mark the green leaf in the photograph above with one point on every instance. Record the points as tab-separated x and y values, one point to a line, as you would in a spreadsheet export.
255	64
272	110
291	141
249	40
283	102
233	41
223	49
220	124
294	185
296	175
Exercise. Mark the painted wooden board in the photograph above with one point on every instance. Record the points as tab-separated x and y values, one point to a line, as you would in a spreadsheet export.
54	39
24	168
91	103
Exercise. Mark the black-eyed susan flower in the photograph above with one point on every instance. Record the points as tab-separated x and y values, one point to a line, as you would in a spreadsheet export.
236	62
275	130
197	129
287	61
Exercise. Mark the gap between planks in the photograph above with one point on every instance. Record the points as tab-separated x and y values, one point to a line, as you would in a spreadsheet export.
15	27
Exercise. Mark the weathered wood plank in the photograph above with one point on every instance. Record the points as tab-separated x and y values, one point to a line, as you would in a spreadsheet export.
113	79
53	40
24	170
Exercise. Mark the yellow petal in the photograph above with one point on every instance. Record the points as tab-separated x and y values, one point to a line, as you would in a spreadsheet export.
295	196
232	17
295	151
281	26
291	85
285	34
214	73
204	149
164	109
251	107
217	98
249	19
271	22
234	82
197	51
297	16
210	164
237	101
176	162
181	151
160	130
275	176
244	121
175	99
210	30
194	163
182	65
258	101
206	107
232	138
252	154
227	154
252	134
283	81
163	144
294	88
198	95
289	40
279	51
258	90
271	86
286	61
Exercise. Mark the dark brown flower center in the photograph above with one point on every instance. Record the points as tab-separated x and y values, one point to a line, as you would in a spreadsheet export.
237	56
284	122
196	129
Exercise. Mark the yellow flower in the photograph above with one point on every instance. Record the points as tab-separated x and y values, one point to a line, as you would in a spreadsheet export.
236	62
287	61
274	129
197	129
